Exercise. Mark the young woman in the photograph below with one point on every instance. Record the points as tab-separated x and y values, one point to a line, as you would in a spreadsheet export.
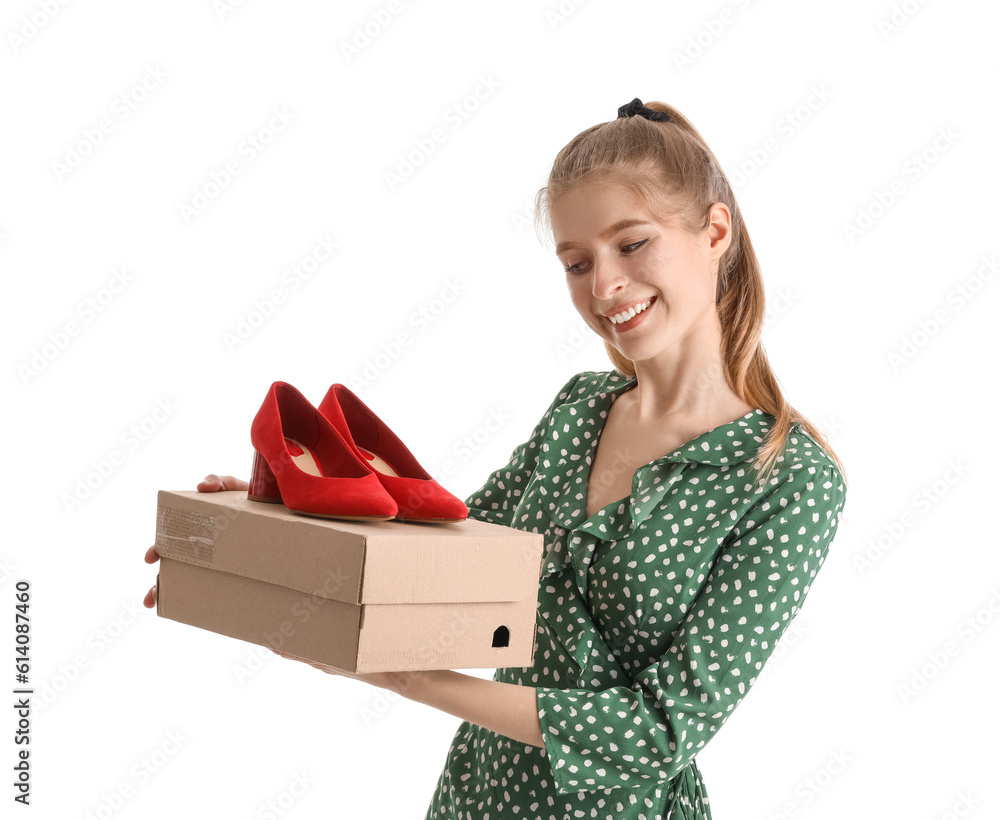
686	506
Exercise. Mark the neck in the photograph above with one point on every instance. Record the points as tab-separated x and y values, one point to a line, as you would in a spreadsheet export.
691	384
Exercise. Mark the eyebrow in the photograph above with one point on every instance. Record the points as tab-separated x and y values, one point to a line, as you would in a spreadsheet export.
605	235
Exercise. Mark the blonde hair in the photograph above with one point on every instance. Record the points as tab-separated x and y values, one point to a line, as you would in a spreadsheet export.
671	169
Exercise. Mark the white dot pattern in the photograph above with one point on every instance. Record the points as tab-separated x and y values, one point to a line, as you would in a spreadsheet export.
655	615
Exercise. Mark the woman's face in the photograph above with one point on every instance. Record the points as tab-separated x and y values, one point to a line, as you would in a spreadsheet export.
647	287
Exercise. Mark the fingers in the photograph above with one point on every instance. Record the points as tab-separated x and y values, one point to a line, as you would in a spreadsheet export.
330	670
210	484
290	657
152	556
314	664
235	483
213	483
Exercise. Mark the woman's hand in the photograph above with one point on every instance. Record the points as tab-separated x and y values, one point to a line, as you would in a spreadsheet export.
385	680
151	557
506	708
212	483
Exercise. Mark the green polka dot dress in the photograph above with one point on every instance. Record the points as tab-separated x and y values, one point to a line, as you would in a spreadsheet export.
655	615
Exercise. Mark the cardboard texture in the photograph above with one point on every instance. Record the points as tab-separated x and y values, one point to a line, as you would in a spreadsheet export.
365	597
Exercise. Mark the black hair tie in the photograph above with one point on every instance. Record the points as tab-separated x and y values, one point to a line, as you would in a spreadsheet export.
636	107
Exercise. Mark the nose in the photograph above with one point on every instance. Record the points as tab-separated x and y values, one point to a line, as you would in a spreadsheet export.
608	278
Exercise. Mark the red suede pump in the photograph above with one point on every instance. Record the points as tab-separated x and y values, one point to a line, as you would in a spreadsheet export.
302	461
417	495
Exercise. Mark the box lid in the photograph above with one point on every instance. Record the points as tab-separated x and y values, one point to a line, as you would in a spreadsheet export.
352	561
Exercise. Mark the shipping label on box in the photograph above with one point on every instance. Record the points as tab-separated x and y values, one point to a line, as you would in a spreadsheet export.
364	597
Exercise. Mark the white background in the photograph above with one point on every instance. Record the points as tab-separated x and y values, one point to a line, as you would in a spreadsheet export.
914	431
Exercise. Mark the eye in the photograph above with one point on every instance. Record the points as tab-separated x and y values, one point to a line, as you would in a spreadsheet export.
626	249
634	246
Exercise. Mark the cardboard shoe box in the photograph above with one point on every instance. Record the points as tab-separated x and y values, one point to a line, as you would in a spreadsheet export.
365	597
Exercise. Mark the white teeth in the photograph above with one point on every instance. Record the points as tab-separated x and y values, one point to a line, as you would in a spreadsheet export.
624	316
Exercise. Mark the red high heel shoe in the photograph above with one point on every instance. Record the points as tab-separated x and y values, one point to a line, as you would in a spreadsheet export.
300	460
417	495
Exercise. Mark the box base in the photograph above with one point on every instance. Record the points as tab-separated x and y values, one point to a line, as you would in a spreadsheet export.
357	638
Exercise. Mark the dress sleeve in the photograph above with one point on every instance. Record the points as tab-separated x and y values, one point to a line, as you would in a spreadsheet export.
633	736
496	501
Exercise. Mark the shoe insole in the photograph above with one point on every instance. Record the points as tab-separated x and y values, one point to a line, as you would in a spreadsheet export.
378	464
304	460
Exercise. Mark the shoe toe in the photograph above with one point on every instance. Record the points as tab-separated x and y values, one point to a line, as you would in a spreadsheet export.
424	500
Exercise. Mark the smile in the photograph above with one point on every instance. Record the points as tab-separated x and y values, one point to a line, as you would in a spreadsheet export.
624	315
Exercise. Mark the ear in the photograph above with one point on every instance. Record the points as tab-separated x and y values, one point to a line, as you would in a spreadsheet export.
720	232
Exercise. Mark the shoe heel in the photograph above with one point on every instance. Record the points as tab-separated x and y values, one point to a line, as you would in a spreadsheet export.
263	486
